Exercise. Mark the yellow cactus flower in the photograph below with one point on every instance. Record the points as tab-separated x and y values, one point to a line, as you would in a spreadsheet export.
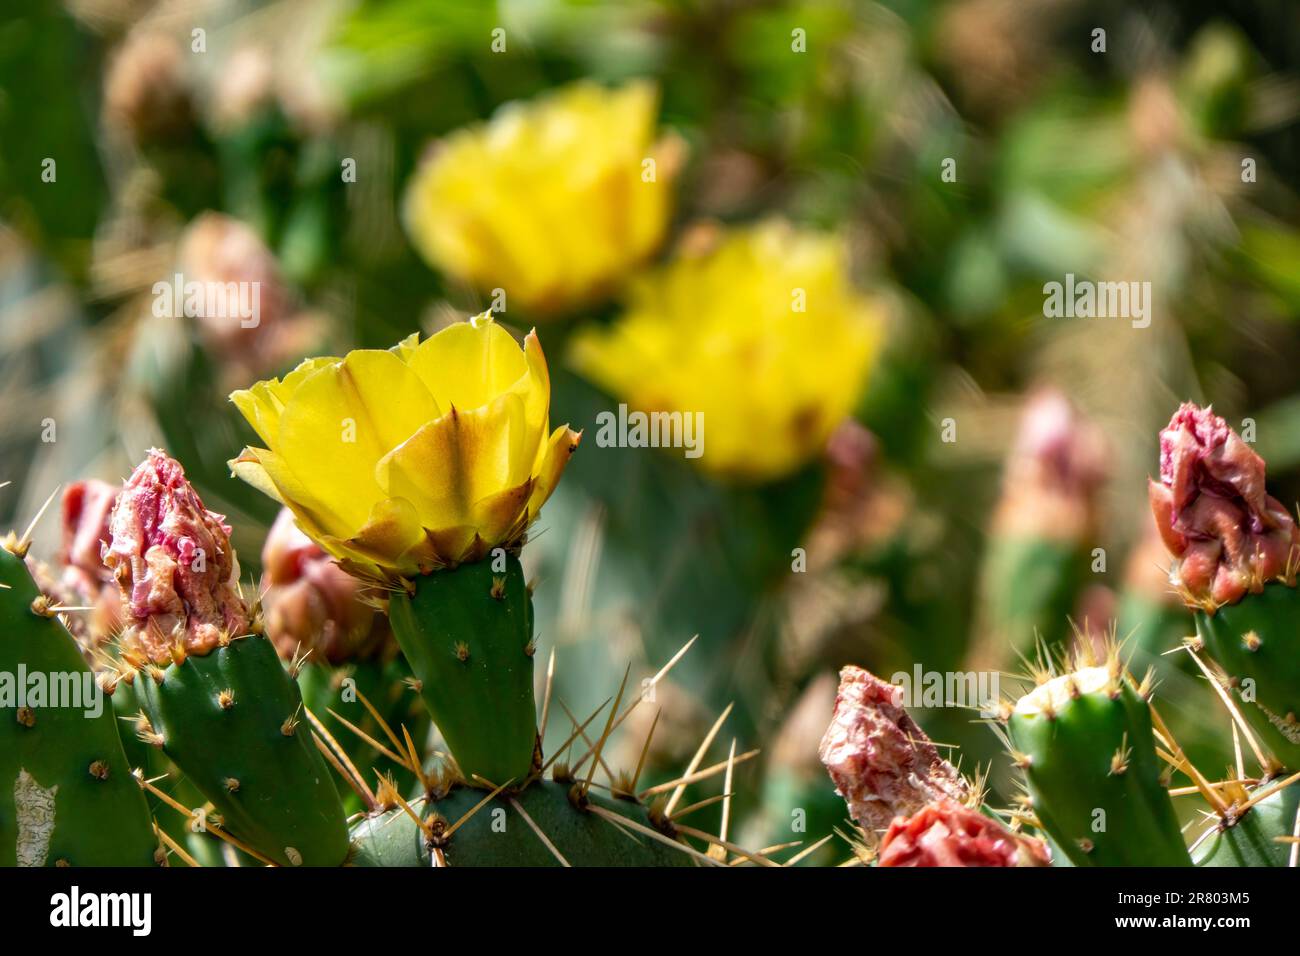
762	336
552	201
424	456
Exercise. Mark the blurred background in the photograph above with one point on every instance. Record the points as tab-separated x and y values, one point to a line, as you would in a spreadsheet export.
989	486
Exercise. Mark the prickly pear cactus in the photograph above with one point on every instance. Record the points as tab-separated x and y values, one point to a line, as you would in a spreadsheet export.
1254	643
218	701
67	796
1085	743
1236	551
1259	829
549	824
468	636
232	721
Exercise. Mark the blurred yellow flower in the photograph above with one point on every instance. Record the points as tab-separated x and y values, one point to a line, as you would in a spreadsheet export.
405	460
762	333
552	201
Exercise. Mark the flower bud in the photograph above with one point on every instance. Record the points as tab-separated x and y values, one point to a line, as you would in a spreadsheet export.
945	833
1226	534
174	565
311	603
1054	473
223	253
84	578
881	762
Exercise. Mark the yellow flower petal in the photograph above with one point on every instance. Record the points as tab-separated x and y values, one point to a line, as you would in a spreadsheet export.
466	366
262	468
555	455
262	404
503	514
451	462
342	419
393	528
762	337
398	462
550	200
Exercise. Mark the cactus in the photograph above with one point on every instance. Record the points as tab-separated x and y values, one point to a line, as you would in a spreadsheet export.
1259	829
584	832
1084	740
68	797
468	635
568	820
218	701
1253	643
1037	560
232	721
340	697
1236	551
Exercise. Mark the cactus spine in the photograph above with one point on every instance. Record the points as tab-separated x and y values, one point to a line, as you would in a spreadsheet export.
1259	829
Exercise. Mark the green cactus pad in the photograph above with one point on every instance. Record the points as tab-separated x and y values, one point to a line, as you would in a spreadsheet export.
1092	773
467	635
272	789
1252	840
1256	644
67	796
498	835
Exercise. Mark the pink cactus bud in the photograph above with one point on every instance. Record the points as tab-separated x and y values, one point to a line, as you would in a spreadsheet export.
881	762
850	455
1054	472
84	579
174	564
312	603
86	509
227	254
1227	535
946	833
